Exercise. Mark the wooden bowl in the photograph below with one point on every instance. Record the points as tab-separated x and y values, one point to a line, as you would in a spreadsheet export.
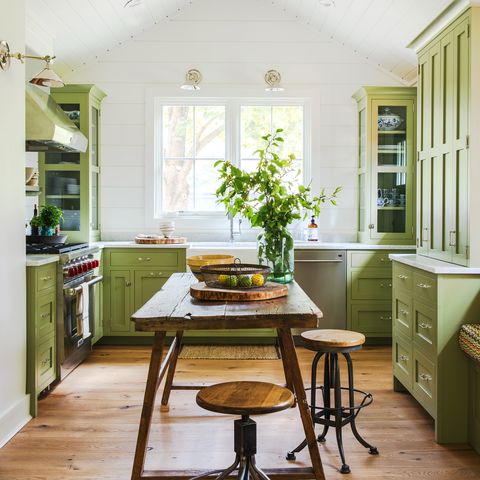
197	261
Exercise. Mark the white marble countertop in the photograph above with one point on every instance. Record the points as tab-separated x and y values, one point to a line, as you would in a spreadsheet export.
433	266
300	245
132	244
37	260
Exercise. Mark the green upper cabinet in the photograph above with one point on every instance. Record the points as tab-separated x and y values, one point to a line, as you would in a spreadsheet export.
386	119
447	179
71	181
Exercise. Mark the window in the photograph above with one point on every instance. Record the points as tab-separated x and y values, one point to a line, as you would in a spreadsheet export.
191	137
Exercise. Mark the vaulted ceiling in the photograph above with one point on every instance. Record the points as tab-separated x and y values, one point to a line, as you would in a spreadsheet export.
78	31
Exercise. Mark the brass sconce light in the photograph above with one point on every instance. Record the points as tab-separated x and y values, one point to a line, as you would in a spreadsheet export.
192	80
46	78
273	79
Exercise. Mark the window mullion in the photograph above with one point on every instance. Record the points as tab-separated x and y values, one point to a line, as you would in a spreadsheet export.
194	155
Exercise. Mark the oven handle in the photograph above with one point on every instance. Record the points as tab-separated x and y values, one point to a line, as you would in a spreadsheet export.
93	281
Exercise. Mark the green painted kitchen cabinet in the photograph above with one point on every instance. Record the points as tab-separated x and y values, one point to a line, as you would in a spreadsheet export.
131	277
71	181
98	324
386	165
369	293
41	322
474	406
447	166
428	311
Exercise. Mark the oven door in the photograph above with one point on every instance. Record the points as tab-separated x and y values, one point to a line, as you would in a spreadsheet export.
76	347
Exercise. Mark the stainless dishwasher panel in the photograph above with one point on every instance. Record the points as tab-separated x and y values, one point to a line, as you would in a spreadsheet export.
323	276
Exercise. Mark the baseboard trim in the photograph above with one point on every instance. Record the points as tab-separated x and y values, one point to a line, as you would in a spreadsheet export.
14	419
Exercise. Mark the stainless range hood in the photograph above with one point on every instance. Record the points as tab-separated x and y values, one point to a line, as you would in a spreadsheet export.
48	129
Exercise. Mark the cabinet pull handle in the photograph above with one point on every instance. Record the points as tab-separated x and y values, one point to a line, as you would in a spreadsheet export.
128	284
425	326
403	312
46	278
424	285
385	318
152	274
385	285
425	376
402	277
44	315
403	358
146	259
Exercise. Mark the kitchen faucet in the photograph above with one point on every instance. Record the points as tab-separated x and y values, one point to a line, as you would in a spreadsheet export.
234	233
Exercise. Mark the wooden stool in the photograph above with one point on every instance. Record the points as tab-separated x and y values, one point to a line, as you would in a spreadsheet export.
330	343
245	399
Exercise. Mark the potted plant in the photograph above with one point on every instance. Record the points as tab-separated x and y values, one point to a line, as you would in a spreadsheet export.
49	219
36	224
268	198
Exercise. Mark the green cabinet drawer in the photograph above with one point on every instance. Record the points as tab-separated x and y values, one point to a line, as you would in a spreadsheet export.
372	319
143	257
424	328
45	277
424	382
425	288
370	259
45	316
403	360
402	277
45	364
402	313
371	284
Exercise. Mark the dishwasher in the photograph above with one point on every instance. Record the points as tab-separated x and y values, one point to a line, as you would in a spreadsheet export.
323	276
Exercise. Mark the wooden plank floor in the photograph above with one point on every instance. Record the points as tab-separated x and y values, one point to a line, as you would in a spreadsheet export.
87	426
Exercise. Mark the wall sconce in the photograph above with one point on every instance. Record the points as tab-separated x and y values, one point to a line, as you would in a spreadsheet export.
46	78
192	80
273	79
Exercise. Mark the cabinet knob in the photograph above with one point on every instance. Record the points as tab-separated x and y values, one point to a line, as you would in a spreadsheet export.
403	358
46	278
385	318
403	312
371	226
46	361
44	315
426	377
128	284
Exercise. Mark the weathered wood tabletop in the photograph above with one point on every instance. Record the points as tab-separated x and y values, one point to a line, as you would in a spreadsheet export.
172	308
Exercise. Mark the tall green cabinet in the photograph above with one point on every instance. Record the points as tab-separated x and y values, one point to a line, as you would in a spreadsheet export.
448	171
386	165
71	181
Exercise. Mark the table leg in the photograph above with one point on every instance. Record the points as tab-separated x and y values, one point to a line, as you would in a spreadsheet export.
171	372
290	362
148	404
286	370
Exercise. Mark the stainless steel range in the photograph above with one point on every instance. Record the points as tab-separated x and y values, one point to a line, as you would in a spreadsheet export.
77	277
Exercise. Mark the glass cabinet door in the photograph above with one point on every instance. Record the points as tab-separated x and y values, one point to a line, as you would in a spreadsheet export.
393	132
95	171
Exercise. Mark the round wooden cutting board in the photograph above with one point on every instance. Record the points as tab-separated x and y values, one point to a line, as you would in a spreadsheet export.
200	291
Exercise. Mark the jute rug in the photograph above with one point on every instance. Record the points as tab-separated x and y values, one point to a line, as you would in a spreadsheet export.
229	352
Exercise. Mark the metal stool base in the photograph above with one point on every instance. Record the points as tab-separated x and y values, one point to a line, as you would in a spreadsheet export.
337	416
245	448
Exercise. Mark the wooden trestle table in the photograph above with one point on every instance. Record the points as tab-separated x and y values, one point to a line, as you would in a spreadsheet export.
173	309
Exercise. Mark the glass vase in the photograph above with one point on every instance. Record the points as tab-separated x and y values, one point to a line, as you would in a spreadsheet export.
275	250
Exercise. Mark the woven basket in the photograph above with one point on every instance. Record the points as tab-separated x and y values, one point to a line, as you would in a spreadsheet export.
469	340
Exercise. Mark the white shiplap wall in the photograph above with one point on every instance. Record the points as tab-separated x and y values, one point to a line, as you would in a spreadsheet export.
233	44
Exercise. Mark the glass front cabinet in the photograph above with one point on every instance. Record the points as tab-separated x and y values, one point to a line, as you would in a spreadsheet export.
386	165
71	181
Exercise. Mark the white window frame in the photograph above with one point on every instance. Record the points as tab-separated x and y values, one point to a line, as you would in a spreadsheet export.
153	143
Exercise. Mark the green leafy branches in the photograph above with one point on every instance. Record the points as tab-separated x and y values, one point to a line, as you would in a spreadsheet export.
268	197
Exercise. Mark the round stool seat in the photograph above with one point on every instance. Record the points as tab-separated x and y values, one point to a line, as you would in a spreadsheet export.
334	339
245	398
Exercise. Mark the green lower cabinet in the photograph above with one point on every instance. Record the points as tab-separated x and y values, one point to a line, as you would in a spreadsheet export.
369	293
121	301
428	312
474	406
41	336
